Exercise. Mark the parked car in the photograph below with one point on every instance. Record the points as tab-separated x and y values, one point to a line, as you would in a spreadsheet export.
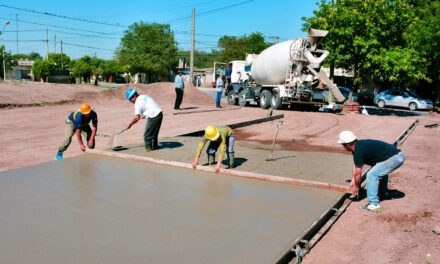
322	94
401	98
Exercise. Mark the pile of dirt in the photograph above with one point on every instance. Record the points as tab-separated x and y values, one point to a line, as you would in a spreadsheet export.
160	92
28	94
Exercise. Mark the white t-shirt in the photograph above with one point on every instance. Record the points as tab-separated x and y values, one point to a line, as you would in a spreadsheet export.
220	85
146	106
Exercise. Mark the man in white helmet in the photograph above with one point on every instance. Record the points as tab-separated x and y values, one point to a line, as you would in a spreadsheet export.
383	158
218	136
145	106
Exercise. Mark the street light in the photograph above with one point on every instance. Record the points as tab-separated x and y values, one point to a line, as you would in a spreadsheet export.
4	47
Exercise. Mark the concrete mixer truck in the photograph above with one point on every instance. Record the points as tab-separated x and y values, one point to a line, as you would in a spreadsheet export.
282	74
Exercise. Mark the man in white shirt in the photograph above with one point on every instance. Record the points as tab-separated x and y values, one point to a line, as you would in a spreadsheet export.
145	106
219	88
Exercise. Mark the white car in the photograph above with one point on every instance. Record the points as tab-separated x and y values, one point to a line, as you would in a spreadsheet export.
400	98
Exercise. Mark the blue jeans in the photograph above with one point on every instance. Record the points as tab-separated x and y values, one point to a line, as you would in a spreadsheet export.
218	98
377	176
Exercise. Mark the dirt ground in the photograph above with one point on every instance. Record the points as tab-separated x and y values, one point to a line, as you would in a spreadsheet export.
32	125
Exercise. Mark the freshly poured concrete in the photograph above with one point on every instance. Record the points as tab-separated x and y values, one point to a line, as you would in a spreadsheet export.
94	209
333	168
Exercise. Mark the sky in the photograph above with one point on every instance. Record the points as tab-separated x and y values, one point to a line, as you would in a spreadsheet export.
95	27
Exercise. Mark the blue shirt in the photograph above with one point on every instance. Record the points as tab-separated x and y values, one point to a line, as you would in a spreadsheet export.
79	120
178	81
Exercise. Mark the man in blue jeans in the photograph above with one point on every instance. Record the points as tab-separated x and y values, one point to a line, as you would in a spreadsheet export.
383	158
219	89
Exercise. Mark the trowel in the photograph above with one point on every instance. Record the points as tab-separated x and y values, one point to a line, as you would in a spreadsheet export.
279	125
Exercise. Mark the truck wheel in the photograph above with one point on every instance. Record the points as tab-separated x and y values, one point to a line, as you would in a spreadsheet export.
265	99
275	102
232	100
242	99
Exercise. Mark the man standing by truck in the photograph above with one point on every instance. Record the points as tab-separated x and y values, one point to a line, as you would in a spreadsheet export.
179	86
219	89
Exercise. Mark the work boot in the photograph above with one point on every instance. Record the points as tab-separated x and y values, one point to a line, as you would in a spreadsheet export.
59	156
211	159
231	161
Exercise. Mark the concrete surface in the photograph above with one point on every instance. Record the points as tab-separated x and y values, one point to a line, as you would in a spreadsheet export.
334	168
95	209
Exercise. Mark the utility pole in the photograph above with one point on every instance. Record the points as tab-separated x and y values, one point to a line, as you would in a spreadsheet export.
191	73
16	25
61	54
55	43
47	44
4	47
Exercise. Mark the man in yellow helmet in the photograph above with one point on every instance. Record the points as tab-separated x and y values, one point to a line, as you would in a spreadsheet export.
218	136
77	123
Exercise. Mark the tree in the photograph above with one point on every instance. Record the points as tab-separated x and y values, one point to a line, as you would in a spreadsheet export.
41	69
369	36
82	69
148	48
59	61
236	48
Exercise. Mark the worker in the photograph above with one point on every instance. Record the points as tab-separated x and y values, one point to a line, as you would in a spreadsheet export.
383	158
218	136
78	123
219	89
179	87
145	106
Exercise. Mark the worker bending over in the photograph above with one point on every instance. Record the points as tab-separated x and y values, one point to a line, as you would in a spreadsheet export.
145	106
218	136
383	158
78	123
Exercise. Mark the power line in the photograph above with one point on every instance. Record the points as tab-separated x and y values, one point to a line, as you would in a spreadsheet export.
89	47
65	17
214	10
55	26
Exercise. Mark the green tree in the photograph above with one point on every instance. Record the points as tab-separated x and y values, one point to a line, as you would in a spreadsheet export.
59	61
41	69
236	48
148	48
368	37
82	69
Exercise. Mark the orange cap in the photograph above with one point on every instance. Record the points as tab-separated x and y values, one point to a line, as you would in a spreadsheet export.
85	109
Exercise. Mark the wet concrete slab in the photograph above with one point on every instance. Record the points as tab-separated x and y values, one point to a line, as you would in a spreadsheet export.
333	168
96	209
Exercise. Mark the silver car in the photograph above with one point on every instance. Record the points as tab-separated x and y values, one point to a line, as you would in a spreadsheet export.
402	98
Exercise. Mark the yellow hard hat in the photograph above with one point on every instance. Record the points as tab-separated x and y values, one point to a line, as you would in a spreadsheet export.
211	133
85	109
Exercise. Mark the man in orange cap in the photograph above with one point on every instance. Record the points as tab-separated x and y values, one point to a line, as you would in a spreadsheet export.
78	123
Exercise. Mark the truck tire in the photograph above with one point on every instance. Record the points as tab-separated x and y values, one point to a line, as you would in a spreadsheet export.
265	98
232	99
275	102
242	99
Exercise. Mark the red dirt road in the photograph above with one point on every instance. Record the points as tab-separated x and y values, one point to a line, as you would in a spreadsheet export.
32	125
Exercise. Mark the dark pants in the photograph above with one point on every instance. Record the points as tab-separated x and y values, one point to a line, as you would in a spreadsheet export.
179	98
151	133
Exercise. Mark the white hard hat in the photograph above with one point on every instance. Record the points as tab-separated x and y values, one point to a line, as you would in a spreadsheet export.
346	137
